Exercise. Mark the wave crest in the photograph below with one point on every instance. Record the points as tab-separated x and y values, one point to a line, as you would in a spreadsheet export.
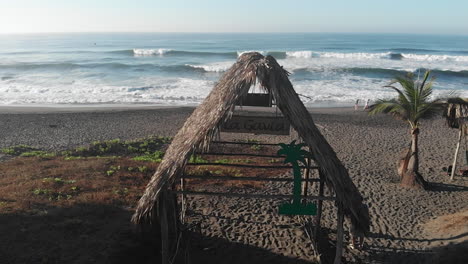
147	52
427	57
214	67
299	54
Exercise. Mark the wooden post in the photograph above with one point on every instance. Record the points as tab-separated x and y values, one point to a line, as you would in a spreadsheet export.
454	165
319	207
305	185
339	235
183	202
164	228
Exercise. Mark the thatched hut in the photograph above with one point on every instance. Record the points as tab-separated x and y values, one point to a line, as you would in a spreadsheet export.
456	114
217	108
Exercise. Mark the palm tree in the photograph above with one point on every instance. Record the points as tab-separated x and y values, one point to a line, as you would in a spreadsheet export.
412	104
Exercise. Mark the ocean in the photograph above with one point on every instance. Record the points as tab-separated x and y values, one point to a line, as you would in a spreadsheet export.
329	69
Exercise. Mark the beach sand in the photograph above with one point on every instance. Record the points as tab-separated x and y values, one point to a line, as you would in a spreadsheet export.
368	147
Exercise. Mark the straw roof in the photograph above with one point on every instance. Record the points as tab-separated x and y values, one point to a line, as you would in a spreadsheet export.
218	106
456	112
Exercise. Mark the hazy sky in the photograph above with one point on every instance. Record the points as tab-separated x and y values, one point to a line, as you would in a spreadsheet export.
396	16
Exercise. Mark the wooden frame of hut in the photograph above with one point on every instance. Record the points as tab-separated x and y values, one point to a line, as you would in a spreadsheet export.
456	114
202	126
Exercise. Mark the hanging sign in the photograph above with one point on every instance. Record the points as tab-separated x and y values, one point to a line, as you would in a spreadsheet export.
271	125
255	99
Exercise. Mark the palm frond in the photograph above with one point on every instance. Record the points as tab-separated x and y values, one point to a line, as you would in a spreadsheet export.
401	96
413	100
429	110
382	106
426	89
423	83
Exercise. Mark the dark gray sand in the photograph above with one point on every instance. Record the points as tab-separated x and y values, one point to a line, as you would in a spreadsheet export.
368	147
61	128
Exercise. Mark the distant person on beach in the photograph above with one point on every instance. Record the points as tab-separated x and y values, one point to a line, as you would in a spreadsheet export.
366	106
356	105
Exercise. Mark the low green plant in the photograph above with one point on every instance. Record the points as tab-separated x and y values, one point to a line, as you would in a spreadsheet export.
58	180
112	170
235	173
122	192
41	191
73	158
231	161
152	157
142	169
18	150
114	147
164	139
256	147
81	149
197	159
52	196
223	161
37	153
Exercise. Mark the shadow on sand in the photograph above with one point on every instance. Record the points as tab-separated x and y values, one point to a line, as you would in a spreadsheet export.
456	253
97	233
444	187
452	253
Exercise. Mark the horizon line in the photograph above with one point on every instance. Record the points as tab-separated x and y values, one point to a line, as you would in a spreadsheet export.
225	32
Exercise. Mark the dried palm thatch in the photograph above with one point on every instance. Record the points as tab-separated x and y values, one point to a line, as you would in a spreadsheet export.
201	126
456	112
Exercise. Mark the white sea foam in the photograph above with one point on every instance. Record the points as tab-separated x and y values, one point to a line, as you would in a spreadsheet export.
369	56
247	51
341	89
346	89
332	61
435	58
213	67
143	90
147	52
358	55
299	54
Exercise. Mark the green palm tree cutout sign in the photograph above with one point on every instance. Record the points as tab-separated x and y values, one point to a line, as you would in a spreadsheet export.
295	154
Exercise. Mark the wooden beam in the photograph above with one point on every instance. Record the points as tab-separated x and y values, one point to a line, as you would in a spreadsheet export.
241	154
318	217
244	143
305	179
183	202
164	229
454	165
339	235
245	165
245	195
242	178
